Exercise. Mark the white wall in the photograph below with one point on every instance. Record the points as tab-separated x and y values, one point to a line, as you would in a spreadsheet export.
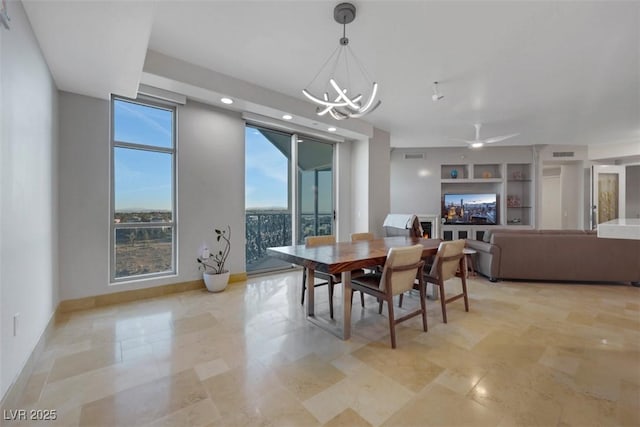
343	190
360	186
572	195
84	195
551	203
28	195
210	186
614	151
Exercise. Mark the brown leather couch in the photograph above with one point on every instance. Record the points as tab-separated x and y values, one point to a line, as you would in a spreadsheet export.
562	255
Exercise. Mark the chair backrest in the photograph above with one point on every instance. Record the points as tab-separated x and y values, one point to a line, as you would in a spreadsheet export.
396	271
362	236
449	255
319	240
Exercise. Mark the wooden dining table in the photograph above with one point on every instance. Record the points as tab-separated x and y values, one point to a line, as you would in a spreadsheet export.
343	258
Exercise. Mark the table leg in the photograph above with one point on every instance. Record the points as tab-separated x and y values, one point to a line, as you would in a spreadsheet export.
346	306
310	292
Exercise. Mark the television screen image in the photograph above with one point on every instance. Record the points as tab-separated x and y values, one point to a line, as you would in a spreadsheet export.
470	209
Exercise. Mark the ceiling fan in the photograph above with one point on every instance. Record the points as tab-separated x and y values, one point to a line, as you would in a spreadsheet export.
477	143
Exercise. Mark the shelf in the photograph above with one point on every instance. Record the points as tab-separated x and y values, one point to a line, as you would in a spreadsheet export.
461	169
470	180
511	182
487	171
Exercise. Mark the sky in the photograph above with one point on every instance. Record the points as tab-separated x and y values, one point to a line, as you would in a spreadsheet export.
469	198
143	178
267	178
266	173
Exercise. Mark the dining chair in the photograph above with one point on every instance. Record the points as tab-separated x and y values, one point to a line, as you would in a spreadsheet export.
329	279
399	274
355	237
359	237
448	261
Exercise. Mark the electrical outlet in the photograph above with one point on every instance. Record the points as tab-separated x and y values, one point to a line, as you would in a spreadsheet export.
15	324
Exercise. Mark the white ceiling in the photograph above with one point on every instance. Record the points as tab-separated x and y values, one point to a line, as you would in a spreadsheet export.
556	72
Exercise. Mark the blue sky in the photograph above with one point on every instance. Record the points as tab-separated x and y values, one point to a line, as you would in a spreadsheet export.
267	178
266	173
142	178
469	198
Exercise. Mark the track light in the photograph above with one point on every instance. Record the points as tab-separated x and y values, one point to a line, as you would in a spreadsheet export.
436	94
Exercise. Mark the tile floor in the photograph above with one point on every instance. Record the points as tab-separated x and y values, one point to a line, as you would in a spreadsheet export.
526	354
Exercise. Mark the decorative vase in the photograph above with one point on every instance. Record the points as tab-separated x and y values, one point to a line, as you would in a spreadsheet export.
216	282
454	173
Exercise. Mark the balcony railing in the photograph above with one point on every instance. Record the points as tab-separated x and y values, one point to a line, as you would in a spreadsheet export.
267	228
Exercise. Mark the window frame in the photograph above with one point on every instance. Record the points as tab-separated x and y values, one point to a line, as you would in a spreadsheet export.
114	144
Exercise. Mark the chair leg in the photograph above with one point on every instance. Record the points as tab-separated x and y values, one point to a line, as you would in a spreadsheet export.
392	323
330	285
423	305
304	285
443	303
380	301
361	298
400	302
464	292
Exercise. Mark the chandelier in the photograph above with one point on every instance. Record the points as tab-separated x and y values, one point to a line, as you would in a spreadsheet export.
337	100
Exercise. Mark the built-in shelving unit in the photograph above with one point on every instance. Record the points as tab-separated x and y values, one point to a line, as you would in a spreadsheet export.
518	194
512	182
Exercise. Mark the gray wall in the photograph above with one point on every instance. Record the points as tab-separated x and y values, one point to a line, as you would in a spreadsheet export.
633	191
379	180
28	195
210	189
415	183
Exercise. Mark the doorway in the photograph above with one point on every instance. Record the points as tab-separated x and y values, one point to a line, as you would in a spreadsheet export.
289	192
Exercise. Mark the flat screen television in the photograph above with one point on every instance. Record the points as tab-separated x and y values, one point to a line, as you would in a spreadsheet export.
470	209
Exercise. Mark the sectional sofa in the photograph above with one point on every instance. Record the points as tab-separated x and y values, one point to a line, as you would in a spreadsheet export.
556	255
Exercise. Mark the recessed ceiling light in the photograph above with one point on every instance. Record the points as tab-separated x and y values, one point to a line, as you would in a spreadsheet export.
226	100
300	140
332	129
287	117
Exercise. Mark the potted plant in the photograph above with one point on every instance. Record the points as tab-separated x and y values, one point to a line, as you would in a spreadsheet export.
215	275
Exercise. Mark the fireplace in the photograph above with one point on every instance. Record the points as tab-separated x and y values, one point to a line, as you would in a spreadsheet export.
430	225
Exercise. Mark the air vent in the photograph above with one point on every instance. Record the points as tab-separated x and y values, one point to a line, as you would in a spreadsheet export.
563	154
414	156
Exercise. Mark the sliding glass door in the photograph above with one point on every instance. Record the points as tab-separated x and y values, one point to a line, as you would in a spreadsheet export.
280	210
315	188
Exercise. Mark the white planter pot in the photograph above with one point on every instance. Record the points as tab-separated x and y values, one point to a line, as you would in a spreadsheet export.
216	282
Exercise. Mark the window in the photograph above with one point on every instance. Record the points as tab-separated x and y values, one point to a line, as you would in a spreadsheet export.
143	232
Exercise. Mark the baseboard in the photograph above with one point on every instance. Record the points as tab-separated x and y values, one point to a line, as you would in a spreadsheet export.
138	294
13	394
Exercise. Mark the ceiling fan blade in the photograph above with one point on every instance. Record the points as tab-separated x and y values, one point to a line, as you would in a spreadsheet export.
461	140
499	138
